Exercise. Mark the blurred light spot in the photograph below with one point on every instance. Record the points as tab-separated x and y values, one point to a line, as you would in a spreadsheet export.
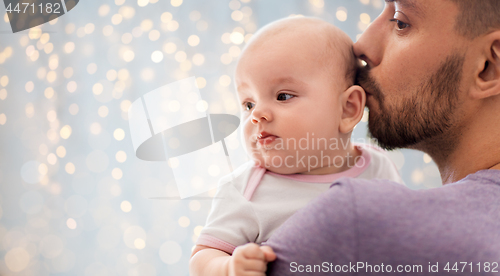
123	74
197	230
366	114
73	109
194	205
427	158
51	76
121	156
170	252
65	132
29	86
201	82
89	28
30	110
51	159
111	75
115	190
166	17
157	56
202	26
119	2
225	80
116	19
97	161
103	10
237	15
126	206
236	37
365	2
226	38
131	234
193	40
365	18
119	134
176	3
107	30
132	258
43	169
103	111
70	168
142	3
317	3
43	149
17	259
234	4
180	56
3	94
48	48
125	105
91	68
70	28
147	74
154	35
71	86
71	223
139	243
69	47
198	59
341	14
127	38
185	65
49	92
146	25
128	55
97	89
117	173
417	176
169	48
95	128
174	106
3	119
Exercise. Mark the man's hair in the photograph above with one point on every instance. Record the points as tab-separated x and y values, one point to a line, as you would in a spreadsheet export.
477	17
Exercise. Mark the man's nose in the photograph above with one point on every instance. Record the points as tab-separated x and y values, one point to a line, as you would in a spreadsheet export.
370	46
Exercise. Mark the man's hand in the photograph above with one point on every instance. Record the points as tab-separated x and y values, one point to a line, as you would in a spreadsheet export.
250	259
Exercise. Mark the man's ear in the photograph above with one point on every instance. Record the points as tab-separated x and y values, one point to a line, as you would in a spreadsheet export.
353	104
488	79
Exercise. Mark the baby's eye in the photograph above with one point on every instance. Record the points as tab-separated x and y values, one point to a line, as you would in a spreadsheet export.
248	105
284	96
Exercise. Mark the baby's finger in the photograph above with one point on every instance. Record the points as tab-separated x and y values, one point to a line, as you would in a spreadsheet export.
252	251
254	265
268	253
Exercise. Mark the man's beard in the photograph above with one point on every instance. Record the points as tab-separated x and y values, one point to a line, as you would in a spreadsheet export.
425	117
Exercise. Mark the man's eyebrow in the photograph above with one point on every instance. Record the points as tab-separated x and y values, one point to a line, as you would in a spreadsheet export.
408	4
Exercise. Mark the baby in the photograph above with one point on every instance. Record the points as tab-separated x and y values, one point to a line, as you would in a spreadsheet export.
295	83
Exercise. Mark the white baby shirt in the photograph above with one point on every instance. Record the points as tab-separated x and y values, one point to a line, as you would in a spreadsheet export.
252	202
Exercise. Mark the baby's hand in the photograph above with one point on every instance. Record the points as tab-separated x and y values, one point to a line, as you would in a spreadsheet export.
250	259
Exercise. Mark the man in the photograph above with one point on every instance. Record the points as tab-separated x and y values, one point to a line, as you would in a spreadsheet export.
432	77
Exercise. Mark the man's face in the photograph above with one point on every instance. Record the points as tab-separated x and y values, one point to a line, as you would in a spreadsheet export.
415	61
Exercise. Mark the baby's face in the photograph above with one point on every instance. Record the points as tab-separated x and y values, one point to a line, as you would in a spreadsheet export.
289	100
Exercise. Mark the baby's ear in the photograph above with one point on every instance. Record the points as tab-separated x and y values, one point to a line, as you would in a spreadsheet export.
353	104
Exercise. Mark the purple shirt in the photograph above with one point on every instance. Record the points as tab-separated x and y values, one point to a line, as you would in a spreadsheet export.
361	226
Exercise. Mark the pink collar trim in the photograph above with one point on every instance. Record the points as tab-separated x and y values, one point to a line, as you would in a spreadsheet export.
359	168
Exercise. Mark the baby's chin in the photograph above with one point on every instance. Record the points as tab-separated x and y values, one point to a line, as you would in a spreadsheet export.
275	167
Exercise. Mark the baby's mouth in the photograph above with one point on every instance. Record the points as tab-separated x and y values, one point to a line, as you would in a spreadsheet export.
265	138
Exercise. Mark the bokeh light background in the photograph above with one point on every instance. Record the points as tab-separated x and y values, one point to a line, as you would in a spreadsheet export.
74	199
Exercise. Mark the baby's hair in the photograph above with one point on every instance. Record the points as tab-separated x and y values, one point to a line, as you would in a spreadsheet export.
336	41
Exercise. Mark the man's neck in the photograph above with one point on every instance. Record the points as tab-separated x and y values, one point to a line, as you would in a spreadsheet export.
475	150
